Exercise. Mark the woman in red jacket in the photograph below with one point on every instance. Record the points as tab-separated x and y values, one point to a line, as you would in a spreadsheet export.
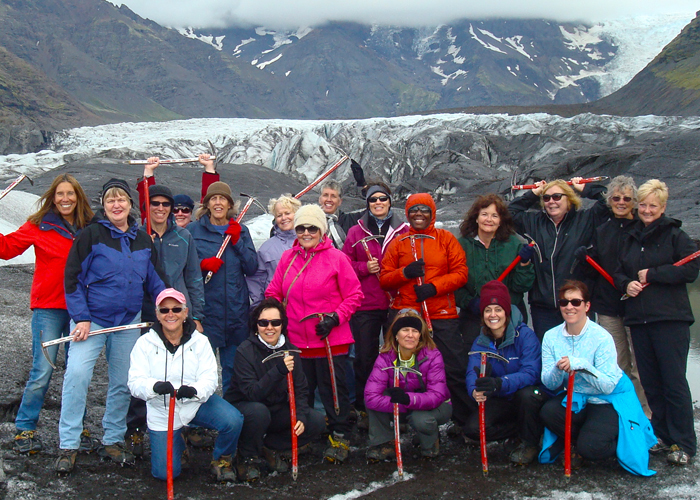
64	210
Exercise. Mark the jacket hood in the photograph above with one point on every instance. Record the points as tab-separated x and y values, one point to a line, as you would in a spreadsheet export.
53	221
642	231
288	235
422	199
101	218
188	328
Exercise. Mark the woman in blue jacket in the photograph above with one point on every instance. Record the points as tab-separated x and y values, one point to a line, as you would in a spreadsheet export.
510	391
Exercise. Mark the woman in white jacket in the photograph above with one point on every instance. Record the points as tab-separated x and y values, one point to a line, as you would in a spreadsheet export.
174	357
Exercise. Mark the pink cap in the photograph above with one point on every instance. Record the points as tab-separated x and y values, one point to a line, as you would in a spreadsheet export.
170	293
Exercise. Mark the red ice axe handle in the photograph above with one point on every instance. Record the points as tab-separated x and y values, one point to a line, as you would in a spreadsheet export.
334	385
166	162
602	271
512	265
169	449
397	431
320	178
582	181
147	203
684	260
13	184
423	305
482	422
293	418
567	425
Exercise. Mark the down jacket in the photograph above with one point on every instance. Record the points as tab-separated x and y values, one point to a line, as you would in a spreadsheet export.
326	284
426	392
52	241
193	364
375	297
445	266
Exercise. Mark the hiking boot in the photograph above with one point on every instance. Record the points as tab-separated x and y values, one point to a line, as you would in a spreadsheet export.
185	458
88	444
223	469
274	460
455	431
576	459
247	468
199	437
117	453
381	453
677	456
338	450
27	442
510	445
134	443
524	454
65	463
363	421
433	451
659	447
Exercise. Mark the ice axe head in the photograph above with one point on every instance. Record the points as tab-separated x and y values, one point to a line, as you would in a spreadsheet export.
490	354
45	350
417	236
314	315
531	241
364	240
255	200
403	369
280	354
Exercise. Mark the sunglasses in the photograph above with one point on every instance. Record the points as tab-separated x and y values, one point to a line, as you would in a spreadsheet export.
262	323
184	210
555	196
415	210
166	204
375	199
617	199
166	310
574	302
311	229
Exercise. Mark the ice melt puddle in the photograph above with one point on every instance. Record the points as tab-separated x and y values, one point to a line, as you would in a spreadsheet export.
373	486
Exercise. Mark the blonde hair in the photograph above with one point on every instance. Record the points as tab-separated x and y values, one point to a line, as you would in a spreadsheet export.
82	214
572	196
286	201
653	186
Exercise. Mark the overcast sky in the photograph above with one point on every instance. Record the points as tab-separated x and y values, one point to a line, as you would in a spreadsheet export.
296	13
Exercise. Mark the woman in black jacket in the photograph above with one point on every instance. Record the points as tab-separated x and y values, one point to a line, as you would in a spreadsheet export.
659	316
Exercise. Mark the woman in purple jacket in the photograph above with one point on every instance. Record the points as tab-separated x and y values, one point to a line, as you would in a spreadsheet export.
423	399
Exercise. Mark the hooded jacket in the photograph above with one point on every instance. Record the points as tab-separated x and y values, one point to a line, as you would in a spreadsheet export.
375	297
320	280
193	364
107	271
269	255
445	265
52	241
426	392
656	247
557	242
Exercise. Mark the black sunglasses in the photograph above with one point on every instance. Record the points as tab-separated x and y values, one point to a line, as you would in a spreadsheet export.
617	199
184	210
555	196
311	229
166	310
375	199
574	302
166	204
416	209
262	323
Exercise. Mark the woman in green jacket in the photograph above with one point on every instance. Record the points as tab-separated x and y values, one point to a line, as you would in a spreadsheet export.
490	243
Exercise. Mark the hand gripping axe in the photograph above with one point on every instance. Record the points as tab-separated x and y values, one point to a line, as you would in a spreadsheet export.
331	367
424	306
517	258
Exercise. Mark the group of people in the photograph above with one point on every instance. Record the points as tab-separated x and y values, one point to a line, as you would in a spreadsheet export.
359	314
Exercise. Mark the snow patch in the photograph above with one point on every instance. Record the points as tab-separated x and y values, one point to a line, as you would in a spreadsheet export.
287	73
373	486
580	38
267	63
16	206
485	44
237	50
216	42
516	43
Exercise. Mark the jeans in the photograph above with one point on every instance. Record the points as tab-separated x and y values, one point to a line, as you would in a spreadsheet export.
216	414
83	356
47	324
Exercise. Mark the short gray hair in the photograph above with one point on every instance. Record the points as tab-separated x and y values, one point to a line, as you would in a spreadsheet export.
334	185
621	183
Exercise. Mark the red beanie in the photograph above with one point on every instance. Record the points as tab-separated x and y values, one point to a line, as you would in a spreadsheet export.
494	292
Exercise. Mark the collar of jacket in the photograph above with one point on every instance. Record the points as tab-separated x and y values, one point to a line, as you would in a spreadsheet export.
285	236
516	318
53	222
324	244
130	233
188	328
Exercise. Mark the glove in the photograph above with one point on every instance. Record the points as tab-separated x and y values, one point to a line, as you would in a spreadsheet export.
163	388
234	230
397	395
357	173
489	385
282	367
415	269
424	292
186	392
580	253
473	306
211	264
324	327
487	373
526	253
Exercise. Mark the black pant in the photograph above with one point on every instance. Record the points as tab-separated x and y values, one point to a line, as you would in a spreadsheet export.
136	416
594	429
366	329
272	427
543	319
661	350
318	374
519	416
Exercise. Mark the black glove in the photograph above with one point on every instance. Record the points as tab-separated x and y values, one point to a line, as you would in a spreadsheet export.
324	327
489	385
186	392
580	253
487	373
415	269
282	367
424	292
526	253
473	306
163	388
357	173
397	395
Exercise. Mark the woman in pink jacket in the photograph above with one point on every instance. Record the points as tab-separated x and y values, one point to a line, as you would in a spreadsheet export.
315	278
424	399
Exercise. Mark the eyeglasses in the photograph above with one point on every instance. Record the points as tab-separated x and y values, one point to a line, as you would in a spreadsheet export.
166	204
166	310
617	199
262	323
574	302
311	229
555	196
422	209
184	210
375	199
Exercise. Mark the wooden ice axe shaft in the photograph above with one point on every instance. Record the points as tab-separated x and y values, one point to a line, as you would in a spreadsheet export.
684	260
582	181
13	184
320	178
167	162
424	306
331	366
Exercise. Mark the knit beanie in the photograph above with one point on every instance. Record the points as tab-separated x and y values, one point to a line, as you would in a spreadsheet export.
374	190
311	215
182	200
407	321
494	292
116	183
220	188
160	190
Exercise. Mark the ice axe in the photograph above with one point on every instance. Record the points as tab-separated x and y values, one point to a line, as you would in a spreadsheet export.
331	367
424	306
320	178
168	162
567	420
582	181
147	203
14	183
517	259
397	426
482	407
169	447
69	338
597	267
292	409
684	260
